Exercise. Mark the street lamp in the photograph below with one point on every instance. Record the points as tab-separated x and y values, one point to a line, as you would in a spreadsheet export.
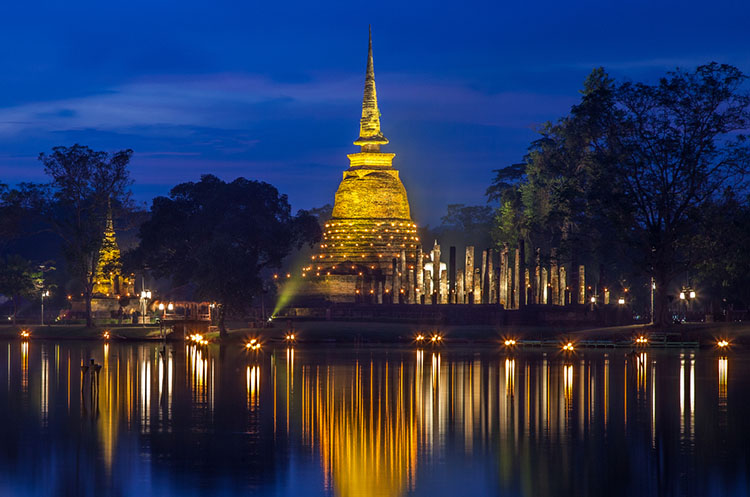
45	293
145	297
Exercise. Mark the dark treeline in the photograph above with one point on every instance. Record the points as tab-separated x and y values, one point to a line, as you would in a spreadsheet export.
215	236
643	180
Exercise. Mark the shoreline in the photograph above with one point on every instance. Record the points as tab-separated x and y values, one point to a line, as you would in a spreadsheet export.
700	335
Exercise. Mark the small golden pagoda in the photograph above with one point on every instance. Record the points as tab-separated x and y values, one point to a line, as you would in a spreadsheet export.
109	282
371	222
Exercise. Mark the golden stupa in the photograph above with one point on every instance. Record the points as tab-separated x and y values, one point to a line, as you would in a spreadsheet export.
371	222
109	282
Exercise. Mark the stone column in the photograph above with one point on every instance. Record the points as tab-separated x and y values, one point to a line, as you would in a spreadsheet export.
491	280
564	299
444	294
469	275
582	284
574	279
477	286
396	280
427	287
545	287
527	285
537	284
460	286
379	292
484	283
404	277
554	278
436	271
419	270
504	297
520	270
452	275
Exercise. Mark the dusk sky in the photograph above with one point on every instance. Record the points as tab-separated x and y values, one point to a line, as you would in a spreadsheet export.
273	90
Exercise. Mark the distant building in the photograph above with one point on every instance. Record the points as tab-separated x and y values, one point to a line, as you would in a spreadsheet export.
109	282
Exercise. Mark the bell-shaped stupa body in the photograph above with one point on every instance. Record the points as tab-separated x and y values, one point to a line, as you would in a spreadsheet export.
371	222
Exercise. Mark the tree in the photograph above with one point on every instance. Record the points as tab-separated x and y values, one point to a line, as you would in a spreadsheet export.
19	278
676	145
75	203
219	236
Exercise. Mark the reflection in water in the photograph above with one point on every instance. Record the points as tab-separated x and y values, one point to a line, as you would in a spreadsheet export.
371	422
723	372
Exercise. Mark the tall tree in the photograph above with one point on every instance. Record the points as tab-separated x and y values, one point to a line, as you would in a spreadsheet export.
75	203
676	145
219	236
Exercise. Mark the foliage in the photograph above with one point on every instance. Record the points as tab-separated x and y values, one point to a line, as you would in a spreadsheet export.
632	171
219	236
19	278
75	203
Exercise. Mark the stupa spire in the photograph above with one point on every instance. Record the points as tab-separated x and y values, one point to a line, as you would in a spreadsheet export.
370	135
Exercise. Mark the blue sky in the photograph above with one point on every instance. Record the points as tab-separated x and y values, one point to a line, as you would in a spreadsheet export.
272	90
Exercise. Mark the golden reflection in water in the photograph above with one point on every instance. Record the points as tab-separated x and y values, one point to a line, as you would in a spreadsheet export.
723	375
641	364
510	377
253	387
568	390
606	391
653	404
44	388
109	399
145	391
692	396
25	366
682	395
367	428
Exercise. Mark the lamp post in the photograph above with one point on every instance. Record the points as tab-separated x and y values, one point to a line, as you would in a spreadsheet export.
145	297
45	293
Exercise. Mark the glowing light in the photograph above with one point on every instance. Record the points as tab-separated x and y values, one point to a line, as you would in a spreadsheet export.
722	344
692	294
419	338
436	338
105	335
682	295
290	337
641	340
25	334
510	342
568	347
621	301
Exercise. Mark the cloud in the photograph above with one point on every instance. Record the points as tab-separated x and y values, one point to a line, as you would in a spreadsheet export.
236	101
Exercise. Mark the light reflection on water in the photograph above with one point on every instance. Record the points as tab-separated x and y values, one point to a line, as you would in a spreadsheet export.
187	420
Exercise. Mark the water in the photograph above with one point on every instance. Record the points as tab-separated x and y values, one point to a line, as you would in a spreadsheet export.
370	422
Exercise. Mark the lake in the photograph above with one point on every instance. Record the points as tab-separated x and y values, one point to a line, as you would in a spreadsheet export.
185	420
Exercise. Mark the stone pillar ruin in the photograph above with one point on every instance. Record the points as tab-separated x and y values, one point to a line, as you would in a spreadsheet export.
564	291
444	294
460	286
436	272
452	275
520	269
419	271
491	297
554	279
545	289
477	286
582	284
469	275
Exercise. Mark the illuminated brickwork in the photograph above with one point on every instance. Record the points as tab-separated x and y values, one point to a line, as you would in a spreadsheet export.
371	221
108	278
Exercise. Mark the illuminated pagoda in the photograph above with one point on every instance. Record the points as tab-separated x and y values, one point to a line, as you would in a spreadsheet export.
371	221
109	282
